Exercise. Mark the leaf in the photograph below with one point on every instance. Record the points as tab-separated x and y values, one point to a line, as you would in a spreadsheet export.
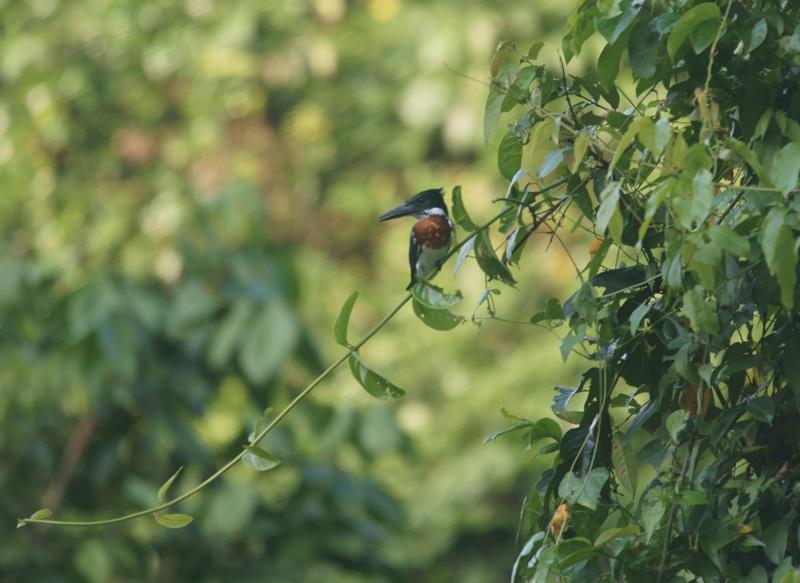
609	200
623	467
374	383
652	509
701	312
491	113
687	23
703	35
778	244
637	316
509	155
228	334
677	423
162	491
612	533
749	156
643	48
583	490
776	536
551	161
692	498
465	250
488	261
579	149
762	408
758	35
460	214
729	240
259	458
786	167
515	427
545	428
343	320
552	311
272	337
434	297
438	319
173	520
41	514
608	64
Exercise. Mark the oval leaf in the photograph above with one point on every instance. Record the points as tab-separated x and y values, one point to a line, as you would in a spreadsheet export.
434	297
41	514
437	319
260	459
173	520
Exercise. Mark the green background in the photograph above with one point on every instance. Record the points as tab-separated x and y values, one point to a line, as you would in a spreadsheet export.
189	194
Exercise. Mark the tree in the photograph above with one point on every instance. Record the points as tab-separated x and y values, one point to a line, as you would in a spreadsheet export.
686	173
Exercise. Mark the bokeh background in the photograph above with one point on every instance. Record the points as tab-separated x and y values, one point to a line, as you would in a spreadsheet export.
189	193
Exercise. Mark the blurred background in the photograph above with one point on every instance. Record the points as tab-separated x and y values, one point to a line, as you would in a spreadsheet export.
189	195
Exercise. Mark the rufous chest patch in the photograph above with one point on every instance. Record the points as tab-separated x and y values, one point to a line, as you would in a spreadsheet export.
432	232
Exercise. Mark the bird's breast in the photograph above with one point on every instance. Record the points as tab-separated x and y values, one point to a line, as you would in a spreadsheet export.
432	232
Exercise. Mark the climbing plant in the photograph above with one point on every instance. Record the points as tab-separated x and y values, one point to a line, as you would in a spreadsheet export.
677	453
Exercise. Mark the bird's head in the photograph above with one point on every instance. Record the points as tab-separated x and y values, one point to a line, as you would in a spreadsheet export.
427	202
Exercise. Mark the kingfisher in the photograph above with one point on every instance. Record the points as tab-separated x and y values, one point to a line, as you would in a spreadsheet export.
431	235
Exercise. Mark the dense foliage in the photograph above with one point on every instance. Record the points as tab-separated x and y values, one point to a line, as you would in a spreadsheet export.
680	458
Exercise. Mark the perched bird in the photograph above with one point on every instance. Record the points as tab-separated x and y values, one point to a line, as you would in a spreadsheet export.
430	236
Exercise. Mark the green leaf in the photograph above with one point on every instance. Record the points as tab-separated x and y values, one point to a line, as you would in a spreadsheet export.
579	149
438	319
609	202
637	316
758	35
374	383
749	156
272	337
703	35
162	491
643	48
488	261
229	333
511	428
533	52
608	63
491	114
509	155
762	408
730	240
778	244
259	458
41	514
687	23
612	533
775	538
460	214
623	466
552	311
692	498
434	297
786	167
652	510
173	520
545	428
343	320
677	423
583	490
700	311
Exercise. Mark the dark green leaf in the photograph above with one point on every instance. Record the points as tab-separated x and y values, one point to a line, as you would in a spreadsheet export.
343	320
509	155
786	167
623	466
762	408
778	244
700	311
703	35
643	48
437	319
375	384
488	261
460	214
552	311
676	424
687	23
509	429
776	536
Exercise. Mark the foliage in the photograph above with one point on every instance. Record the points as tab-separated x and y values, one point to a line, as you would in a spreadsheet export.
686	308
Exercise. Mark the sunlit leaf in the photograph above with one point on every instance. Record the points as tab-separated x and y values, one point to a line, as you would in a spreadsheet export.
173	520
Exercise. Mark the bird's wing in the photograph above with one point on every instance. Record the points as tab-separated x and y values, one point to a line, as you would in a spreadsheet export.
413	256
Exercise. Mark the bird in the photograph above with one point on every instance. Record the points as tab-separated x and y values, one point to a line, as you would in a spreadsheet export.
431	235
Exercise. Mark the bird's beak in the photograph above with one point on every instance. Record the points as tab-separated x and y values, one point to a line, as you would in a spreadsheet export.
403	210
